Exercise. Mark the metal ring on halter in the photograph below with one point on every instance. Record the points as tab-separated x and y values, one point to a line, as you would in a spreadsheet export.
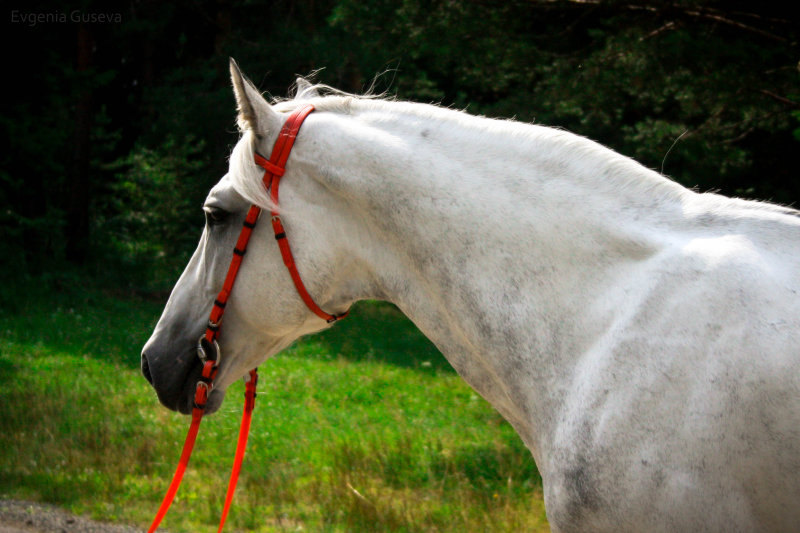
201	350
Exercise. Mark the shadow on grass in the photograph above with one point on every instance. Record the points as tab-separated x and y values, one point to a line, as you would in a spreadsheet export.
378	331
71	313
77	314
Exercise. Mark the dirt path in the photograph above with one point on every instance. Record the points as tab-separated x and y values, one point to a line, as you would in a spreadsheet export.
28	517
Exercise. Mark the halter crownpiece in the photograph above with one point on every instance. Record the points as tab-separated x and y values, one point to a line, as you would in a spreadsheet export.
274	168
207	347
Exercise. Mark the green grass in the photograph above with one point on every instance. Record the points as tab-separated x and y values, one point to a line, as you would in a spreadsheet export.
363	428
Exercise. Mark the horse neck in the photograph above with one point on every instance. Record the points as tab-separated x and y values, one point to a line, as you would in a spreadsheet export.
494	238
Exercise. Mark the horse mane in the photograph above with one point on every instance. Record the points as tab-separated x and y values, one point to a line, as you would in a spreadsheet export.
592	161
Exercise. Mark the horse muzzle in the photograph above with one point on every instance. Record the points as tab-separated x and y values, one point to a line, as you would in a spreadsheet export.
175	375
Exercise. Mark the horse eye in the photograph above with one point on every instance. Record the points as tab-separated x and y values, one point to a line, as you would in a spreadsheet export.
215	215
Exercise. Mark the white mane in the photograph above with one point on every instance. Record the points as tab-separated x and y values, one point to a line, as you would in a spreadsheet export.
579	157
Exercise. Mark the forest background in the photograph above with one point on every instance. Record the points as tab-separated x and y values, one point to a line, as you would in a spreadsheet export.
118	116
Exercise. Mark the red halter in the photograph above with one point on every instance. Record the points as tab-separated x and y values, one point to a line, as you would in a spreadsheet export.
207	347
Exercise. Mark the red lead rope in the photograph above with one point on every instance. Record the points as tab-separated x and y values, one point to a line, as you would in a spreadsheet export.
208	349
200	397
244	431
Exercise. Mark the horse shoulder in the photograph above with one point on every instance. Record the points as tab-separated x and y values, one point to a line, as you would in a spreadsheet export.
698	373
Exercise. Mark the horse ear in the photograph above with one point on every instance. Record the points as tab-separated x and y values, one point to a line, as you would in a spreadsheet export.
255	113
305	89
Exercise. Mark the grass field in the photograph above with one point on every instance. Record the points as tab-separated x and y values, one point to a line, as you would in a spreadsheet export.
363	428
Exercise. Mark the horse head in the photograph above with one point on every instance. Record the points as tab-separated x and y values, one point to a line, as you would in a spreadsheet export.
264	313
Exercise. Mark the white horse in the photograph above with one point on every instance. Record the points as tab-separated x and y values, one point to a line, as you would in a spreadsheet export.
642	339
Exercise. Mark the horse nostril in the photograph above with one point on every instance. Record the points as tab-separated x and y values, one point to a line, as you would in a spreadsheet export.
146	369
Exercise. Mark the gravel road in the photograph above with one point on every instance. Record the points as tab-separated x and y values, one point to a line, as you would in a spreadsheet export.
28	517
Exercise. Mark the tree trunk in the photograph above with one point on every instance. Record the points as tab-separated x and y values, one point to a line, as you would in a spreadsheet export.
77	230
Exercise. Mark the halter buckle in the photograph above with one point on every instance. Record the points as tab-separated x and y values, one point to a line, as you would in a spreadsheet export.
201	393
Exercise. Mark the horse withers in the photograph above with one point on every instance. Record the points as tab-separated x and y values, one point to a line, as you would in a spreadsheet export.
642	339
